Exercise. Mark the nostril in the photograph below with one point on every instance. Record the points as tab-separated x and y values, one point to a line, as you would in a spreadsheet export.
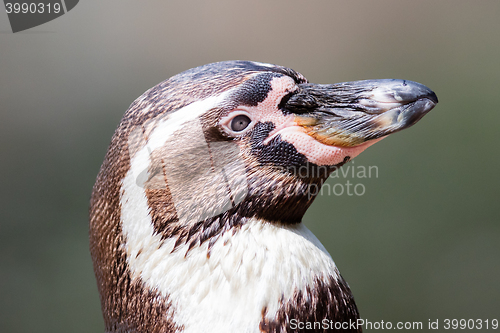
285	100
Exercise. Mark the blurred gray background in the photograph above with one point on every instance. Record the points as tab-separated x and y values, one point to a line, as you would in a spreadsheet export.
422	243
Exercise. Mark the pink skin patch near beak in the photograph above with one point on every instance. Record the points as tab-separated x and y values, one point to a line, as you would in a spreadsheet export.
315	151
293	133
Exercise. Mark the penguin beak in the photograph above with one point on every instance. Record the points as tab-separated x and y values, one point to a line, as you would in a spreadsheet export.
351	113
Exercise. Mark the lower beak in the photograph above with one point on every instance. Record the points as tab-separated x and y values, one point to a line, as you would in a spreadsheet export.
351	113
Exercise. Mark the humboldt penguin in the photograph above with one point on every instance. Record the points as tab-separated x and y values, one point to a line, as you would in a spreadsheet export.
196	213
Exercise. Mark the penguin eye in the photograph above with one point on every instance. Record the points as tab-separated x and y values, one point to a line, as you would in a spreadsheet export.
237	122
240	122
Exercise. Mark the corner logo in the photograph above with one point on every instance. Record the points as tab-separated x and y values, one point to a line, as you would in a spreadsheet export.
28	14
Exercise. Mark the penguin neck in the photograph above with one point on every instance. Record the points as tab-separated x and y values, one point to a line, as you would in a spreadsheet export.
192	216
239	280
234	271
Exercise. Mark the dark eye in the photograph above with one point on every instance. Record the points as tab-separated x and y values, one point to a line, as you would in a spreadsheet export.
240	122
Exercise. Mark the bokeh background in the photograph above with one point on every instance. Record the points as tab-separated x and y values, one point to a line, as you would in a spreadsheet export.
422	243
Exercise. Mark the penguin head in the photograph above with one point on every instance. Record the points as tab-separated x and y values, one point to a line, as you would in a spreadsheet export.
249	139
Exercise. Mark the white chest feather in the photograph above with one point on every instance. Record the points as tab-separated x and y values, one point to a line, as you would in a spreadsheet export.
261	264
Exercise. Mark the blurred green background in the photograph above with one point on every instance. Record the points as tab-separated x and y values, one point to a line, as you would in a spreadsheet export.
422	243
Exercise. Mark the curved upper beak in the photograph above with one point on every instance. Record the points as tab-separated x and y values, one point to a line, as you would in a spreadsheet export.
351	113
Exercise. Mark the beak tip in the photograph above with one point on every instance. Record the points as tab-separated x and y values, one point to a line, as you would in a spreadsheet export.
412	91
433	97
395	91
